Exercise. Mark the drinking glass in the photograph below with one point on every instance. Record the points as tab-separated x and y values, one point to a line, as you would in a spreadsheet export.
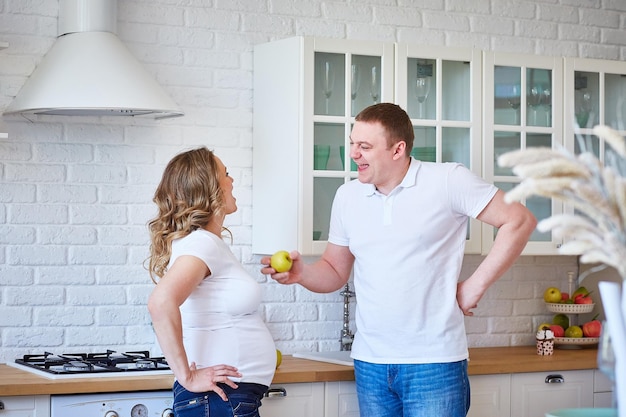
583	108
546	100
355	81
534	100
375	85
328	81
514	101
422	89
606	358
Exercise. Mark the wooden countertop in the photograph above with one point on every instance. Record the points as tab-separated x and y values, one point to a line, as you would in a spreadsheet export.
483	361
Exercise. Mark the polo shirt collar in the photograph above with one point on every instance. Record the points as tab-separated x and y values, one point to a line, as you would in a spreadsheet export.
409	180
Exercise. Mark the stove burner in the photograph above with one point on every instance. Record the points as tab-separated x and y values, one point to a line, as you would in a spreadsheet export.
144	364
76	366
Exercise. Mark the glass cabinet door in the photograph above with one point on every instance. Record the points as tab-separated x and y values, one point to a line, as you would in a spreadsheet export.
441	91
595	94
347	77
522	110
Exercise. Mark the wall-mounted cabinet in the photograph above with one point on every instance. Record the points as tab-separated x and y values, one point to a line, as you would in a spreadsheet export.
306	93
522	109
466	106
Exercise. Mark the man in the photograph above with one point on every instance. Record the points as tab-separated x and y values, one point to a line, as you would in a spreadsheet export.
402	225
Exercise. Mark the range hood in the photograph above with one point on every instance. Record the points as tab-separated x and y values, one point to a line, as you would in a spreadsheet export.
89	71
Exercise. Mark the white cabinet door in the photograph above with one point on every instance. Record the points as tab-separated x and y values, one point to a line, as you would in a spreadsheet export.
491	395
291	400
602	390
341	399
534	394
25	406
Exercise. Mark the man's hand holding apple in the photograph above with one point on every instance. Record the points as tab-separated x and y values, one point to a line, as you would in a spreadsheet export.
292	275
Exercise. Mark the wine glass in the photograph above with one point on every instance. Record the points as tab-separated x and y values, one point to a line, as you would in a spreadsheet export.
583	108
514	101
328	81
422	88
606	358
546	99
375	84
355	81
534	100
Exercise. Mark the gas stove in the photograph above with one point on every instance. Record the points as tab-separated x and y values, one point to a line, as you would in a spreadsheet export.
91	365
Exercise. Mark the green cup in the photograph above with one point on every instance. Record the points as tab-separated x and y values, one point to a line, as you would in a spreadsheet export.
342	153
320	156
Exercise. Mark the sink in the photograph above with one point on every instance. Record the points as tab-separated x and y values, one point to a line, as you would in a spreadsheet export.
339	358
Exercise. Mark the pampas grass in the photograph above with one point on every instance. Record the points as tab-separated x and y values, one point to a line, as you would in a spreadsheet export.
597	192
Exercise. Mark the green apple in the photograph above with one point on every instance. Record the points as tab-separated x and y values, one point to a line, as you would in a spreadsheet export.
562	320
281	261
552	295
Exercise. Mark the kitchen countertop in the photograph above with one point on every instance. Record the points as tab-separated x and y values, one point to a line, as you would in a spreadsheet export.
483	361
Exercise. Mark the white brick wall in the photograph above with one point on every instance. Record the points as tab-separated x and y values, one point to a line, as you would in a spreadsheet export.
75	193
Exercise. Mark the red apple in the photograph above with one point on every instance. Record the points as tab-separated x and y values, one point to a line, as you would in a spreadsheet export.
583	299
592	328
564	296
557	330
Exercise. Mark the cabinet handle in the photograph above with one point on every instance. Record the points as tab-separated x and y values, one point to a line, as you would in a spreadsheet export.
1	405
276	392
555	379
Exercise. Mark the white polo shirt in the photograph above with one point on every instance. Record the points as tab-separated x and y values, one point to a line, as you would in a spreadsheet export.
408	249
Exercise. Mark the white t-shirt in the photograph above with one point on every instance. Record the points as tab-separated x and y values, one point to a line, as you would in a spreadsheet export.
408	249
220	319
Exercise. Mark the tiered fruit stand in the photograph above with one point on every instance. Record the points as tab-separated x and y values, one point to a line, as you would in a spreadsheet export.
572	310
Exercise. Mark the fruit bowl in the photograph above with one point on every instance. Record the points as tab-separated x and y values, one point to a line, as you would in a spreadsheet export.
570	308
578	341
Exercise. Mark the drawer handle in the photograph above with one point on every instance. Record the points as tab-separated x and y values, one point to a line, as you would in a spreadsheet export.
276	392
1	405
555	379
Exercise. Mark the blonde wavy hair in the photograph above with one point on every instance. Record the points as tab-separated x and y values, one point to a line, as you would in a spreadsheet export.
188	198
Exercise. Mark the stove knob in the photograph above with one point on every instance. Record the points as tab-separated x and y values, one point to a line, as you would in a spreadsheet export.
167	413
111	413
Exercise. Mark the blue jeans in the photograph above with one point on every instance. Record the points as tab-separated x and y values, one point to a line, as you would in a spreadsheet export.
412	390
242	402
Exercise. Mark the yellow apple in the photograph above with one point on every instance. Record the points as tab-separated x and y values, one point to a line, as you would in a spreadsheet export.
544	326
574	331
281	261
279	358
552	295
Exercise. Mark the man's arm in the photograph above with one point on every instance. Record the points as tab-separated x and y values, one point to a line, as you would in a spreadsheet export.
515	224
328	274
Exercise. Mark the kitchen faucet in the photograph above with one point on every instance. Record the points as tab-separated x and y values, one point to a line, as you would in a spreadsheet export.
346	335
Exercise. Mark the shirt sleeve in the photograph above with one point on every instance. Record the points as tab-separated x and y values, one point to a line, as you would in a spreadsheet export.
468	193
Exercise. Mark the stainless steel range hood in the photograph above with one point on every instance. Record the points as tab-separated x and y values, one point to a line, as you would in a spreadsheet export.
89	72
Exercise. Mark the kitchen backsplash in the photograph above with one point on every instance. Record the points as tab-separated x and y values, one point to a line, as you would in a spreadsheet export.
75	193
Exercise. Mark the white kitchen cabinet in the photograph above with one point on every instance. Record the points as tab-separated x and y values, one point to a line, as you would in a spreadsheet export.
522	108
602	390
440	88
304	109
289	400
534	394
341	399
306	93
490	395
25	406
